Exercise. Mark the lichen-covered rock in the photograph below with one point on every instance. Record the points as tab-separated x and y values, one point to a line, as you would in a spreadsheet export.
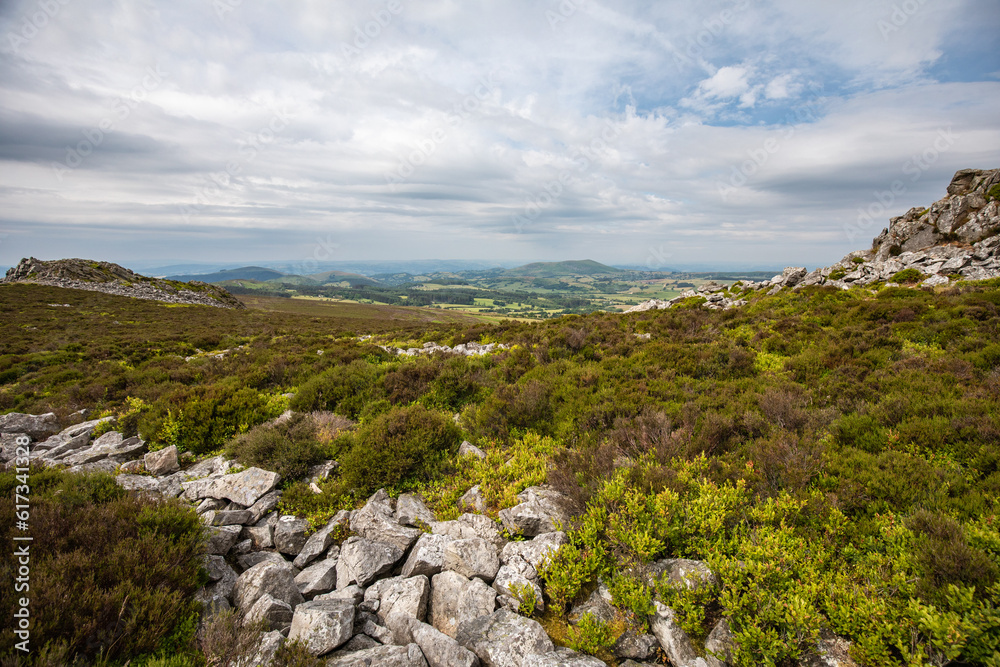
541	511
245	488
504	639
719	645
411	511
427	556
318	542
290	534
318	578
222	538
401	595
271	613
562	657
162	462
36	427
383	656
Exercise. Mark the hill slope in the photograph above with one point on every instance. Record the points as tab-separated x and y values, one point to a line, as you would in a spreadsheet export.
581	267
242	273
111	278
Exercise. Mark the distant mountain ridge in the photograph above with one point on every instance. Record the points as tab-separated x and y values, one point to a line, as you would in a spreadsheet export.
111	278
242	273
580	267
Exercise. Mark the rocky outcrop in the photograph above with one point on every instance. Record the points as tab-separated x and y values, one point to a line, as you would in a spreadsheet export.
472	349
113	279
956	238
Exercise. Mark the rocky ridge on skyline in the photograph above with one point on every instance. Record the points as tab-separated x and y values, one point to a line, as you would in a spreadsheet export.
111	278
955	238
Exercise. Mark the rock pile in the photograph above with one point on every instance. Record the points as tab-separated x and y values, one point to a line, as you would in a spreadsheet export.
472	349
387	584
957	237
117	280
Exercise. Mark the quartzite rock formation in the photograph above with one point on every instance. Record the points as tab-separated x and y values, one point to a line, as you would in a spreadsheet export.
956	238
111	278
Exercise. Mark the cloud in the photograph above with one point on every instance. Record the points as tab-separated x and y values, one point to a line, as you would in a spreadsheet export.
486	131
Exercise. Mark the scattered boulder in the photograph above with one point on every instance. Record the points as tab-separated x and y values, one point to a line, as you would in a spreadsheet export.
473	499
271	613
720	645
636	646
36	427
221	538
245	488
162	462
401	595
317	543
383	656
598	606
469	449
561	657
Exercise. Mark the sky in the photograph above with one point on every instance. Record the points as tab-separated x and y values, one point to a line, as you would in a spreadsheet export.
722	133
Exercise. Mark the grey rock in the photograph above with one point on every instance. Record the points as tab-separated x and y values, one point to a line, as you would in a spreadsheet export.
720	645
132	467
456	599
598	606
318	578
411	511
221	539
354	593
473	499
316	544
514	577
562	657
639	647
831	651
267	648
674	641
36	427
216	566
230	518
242	547
223	587
369	624
541	511
247	561
356	643
484	527
270	577
262	537
264	504
162	462
290	534
245	488
271	613
439	649
469	449
140	483
473	557
535	552
427	556
210	505
362	561
374	523
401	595
504	639
322	625
382	656
681	572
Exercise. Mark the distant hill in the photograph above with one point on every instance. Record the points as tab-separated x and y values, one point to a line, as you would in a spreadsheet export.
242	273
341	276
582	267
85	274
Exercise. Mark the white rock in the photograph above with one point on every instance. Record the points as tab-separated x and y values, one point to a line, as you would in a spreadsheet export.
322	625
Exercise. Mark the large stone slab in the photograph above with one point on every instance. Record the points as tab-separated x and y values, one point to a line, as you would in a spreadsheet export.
322	625
427	556
504	639
270	577
456	599
382	656
471	558
318	578
245	488
401	595
35	426
362	561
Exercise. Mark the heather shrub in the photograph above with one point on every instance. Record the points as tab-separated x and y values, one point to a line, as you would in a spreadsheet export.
402	446
116	575
288	448
342	389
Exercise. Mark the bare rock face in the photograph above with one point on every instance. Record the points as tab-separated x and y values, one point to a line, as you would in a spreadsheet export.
162	462
473	557
383	656
719	645
401	595
427	556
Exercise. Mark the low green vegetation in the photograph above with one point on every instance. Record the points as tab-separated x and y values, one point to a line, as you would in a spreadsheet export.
833	455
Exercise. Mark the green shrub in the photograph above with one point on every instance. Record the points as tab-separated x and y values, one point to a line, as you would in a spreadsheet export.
837	274
288	448
113	575
591	636
907	276
344	389
402	446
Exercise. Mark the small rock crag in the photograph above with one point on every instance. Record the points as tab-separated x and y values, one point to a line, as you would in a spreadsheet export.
111	278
